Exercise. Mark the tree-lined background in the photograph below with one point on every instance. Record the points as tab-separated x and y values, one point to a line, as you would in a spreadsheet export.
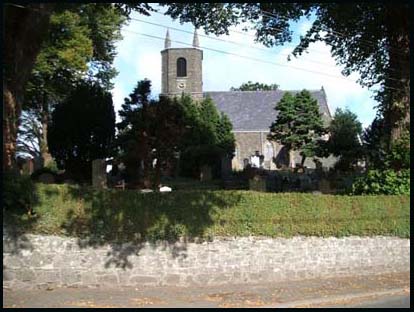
51	48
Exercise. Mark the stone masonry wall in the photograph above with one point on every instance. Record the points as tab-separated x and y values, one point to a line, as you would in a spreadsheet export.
193	81
249	142
39	261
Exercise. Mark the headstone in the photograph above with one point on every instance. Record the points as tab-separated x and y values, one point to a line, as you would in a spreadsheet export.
146	191
205	174
324	186
165	189
257	183
225	167
255	161
306	183
99	173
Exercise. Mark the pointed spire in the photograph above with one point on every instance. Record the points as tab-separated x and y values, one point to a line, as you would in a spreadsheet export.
167	42
196	43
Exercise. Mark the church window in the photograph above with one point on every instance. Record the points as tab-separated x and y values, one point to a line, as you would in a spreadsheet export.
181	67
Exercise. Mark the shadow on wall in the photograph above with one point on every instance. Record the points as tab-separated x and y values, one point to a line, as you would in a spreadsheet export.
126	220
129	220
20	197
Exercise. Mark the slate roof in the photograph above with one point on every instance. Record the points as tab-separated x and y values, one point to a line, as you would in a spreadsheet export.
254	110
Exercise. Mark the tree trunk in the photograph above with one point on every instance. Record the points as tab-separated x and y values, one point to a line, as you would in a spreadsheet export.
44	149
24	30
10	125
397	114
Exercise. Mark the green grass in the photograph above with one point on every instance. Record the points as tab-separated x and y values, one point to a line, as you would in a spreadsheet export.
129	215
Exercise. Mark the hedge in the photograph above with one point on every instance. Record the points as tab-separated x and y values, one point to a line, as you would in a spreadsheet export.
130	215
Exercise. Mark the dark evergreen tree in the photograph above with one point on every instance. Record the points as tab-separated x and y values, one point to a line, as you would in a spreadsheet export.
132	138
209	140
82	129
345	131
298	124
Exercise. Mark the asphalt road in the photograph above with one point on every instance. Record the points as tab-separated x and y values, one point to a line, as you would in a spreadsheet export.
400	301
385	290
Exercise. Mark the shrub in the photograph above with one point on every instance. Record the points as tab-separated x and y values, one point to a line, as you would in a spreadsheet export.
387	182
35	175
399	156
18	192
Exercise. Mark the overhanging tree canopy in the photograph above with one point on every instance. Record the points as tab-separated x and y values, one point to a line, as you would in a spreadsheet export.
371	39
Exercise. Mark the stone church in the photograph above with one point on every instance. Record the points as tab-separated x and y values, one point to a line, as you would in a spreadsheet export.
251	112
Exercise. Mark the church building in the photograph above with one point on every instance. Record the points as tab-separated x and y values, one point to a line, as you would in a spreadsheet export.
250	112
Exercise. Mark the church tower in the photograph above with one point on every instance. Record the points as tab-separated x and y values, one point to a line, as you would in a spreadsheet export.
182	69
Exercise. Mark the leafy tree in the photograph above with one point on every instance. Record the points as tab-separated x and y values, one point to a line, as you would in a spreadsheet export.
368	38
154	131
382	182
399	157
80	44
376	152
26	28
132	138
379	54
30	135
344	141
374	143
82	129
166	130
298	124
209	140
256	86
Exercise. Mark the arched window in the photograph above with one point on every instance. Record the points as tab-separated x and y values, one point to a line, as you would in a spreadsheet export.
181	67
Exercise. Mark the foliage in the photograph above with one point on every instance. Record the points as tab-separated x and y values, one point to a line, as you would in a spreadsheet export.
399	156
375	45
82	129
80	44
387	182
166	130
345	131
80	211
375	148
298	124
195	131
132	138
256	86
30	134
209	140
149	131
374	145
18	192
40	171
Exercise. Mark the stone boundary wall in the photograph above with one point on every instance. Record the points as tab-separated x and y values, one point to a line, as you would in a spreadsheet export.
39	261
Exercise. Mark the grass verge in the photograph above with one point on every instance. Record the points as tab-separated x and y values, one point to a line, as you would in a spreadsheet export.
129	215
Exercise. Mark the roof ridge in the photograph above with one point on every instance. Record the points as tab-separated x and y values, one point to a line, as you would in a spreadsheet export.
278	90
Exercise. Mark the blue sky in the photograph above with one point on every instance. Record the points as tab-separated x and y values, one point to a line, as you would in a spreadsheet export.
139	57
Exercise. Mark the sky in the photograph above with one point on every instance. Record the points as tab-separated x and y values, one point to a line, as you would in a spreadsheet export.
139	57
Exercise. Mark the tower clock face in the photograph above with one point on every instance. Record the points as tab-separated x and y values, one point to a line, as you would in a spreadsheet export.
181	85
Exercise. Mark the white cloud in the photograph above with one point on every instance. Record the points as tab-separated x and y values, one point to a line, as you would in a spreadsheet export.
140	58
